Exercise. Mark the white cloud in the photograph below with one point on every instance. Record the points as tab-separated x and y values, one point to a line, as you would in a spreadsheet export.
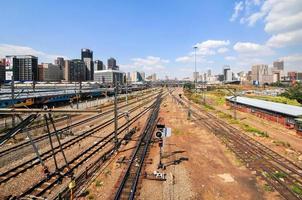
282	20
8	49
190	58
230	58
222	50
209	44
183	59
285	39
237	9
204	49
252	49
148	64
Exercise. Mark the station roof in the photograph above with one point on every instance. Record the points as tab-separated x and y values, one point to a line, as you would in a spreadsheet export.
295	111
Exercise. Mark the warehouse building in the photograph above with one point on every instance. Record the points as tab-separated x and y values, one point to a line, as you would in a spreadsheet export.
288	115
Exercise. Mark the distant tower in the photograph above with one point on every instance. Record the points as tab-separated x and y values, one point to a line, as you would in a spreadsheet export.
87	57
98	65
111	64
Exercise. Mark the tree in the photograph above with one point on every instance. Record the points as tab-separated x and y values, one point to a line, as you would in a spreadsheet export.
188	86
294	92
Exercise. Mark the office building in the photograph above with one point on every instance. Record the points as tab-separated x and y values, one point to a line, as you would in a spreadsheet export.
136	77
2	71
74	70
109	76
23	68
227	74
153	77
209	72
60	61
142	75
262	74
50	72
195	76
111	64
98	65
295	76
278	65
87	58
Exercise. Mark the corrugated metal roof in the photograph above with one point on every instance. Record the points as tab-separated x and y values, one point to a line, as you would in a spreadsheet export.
290	110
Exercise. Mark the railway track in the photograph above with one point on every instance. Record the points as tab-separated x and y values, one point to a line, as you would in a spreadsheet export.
64	129
128	185
280	173
42	187
19	169
66	117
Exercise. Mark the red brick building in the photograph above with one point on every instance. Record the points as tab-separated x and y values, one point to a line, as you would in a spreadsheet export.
287	115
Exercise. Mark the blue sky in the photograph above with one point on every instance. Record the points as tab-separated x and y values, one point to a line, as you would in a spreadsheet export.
157	36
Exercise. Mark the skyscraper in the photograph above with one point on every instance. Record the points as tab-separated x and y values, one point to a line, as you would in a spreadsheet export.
75	70
227	74
23	68
87	57
98	65
60	61
111	64
195	76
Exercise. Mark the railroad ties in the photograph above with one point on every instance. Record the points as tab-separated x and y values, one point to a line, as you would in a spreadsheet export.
101	150
280	173
128	185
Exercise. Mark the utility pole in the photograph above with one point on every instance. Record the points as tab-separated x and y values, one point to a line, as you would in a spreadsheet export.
13	99
115	111
195	75
235	105
127	111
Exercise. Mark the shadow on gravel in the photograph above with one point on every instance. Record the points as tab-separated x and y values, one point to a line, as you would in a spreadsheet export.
176	162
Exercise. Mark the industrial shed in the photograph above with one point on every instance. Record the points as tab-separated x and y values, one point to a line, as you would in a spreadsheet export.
288	115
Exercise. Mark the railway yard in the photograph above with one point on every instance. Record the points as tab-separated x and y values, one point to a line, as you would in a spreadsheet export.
127	151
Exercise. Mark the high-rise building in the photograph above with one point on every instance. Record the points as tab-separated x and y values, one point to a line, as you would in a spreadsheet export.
153	77
279	65
262	74
50	72
111	64
143	75
2	71
98	65
195	76
227	73
75	70
23	68
60	61
209	73
136	77
87	57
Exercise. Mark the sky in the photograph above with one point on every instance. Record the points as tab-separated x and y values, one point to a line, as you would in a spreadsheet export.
157	36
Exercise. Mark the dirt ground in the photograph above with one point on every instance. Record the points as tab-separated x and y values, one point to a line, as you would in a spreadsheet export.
198	165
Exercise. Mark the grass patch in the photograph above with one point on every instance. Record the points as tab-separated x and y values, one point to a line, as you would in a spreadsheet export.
107	172
254	130
297	189
268	188
281	143
177	132
279	175
98	183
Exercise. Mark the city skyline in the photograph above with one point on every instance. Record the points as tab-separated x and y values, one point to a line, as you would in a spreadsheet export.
159	36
